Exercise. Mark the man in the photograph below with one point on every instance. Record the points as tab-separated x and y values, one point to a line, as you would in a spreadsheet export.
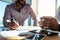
49	23
19	12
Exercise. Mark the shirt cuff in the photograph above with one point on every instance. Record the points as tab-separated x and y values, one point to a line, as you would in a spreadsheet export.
8	21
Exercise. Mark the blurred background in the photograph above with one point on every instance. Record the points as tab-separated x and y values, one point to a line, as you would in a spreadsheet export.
40	7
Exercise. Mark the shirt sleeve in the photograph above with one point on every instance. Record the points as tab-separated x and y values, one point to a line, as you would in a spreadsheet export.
7	16
33	16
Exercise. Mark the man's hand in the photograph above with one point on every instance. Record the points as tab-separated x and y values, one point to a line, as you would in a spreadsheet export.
49	23
12	25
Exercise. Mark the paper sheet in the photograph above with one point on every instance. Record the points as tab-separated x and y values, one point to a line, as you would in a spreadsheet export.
19	30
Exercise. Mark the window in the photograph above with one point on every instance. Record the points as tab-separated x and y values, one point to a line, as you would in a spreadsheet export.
9	1
58	11
2	10
46	8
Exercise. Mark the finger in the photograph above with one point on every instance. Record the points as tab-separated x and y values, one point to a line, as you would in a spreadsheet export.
14	27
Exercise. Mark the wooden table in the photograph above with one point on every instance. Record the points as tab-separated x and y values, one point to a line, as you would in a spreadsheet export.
12	38
24	28
15	37
19	37
55	37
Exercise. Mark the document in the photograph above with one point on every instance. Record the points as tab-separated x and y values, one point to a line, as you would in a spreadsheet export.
19	31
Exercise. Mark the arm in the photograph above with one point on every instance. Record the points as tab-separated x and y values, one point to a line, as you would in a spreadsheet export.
49	23
33	16
7	16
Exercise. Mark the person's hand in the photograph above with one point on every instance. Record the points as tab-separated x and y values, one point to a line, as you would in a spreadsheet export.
48	22
12	25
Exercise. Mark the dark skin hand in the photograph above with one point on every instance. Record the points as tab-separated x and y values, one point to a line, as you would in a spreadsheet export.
12	25
49	23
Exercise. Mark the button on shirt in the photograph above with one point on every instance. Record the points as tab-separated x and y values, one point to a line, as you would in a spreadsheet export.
11	12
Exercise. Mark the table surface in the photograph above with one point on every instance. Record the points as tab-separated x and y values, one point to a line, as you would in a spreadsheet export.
56	37
13	34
